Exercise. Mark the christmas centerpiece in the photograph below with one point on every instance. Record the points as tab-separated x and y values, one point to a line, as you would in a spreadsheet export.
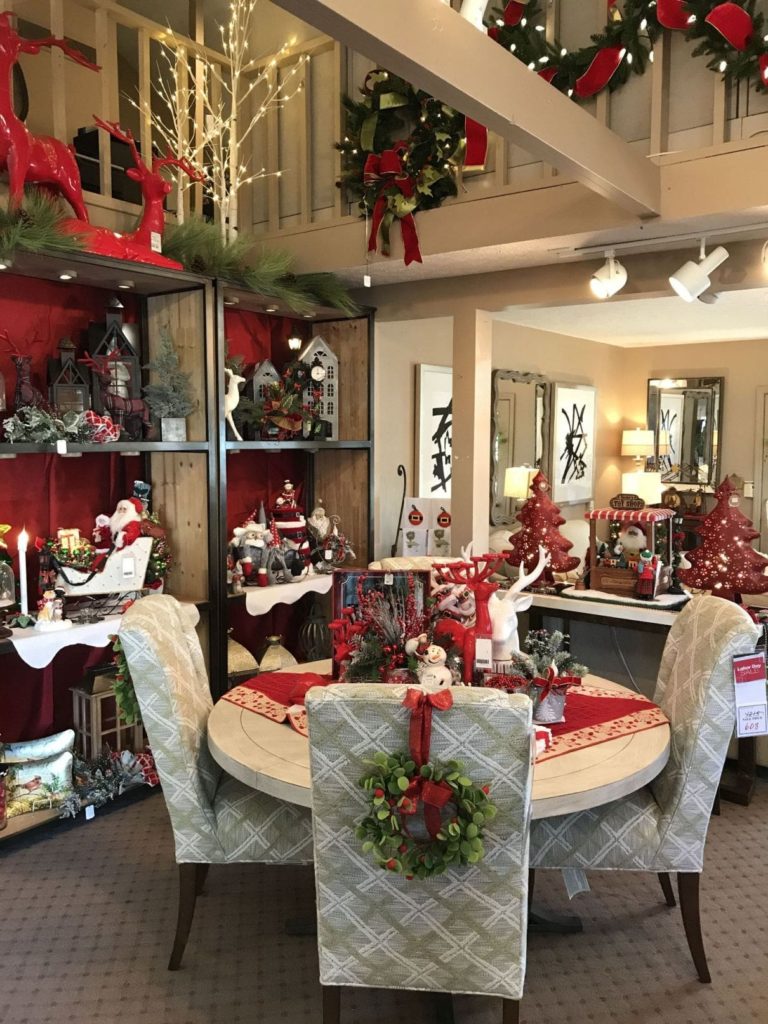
726	563
544	670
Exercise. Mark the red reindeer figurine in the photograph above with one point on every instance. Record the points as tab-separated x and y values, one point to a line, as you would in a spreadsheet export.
26	393
137	244
39	159
118	406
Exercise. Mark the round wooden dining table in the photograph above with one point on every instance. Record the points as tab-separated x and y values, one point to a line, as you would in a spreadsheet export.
273	758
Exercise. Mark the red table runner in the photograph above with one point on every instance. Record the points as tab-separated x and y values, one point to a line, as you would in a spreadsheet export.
593	714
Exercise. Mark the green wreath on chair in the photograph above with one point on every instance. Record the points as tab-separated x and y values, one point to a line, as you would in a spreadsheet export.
397	789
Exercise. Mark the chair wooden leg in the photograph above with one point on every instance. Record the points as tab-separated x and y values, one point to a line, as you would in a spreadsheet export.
188	881
202	874
331	1004
510	1011
443	1004
666	888
688	891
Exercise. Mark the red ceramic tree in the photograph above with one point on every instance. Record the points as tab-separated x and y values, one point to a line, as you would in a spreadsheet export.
540	518
726	563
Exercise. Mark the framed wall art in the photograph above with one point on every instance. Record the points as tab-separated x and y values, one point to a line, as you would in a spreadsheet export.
573	443
434	430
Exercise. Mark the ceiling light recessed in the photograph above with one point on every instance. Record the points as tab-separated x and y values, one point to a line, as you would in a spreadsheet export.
125	285
67	275
271	309
5	264
231	300
609	279
309	316
692	279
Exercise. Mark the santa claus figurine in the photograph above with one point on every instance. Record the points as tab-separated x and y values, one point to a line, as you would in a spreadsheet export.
123	526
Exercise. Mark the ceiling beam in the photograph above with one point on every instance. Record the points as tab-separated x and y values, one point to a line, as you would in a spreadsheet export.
432	46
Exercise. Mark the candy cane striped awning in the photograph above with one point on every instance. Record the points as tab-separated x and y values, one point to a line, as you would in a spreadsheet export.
624	515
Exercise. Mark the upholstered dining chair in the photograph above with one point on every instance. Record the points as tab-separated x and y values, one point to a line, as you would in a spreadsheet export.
215	818
663	827
460	932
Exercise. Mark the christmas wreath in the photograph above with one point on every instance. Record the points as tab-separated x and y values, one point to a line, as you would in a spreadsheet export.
400	154
397	788
398	785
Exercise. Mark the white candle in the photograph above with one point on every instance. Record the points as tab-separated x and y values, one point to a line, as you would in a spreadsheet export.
22	549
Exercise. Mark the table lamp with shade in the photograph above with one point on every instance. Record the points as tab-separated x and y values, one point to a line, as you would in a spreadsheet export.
638	444
517	482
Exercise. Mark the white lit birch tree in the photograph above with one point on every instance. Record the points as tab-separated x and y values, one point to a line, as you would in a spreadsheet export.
236	94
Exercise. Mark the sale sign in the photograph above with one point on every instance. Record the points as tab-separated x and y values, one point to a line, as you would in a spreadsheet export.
749	678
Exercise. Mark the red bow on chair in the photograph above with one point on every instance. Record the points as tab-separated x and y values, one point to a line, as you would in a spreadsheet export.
388	171
421	705
433	795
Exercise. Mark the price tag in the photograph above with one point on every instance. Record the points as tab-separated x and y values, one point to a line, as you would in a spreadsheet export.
128	567
328	555
752	720
366	280
90	812
61	447
749	680
389	579
156	241
483	652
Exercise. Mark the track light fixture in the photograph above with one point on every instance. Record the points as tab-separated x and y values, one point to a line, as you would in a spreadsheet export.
609	279
692	279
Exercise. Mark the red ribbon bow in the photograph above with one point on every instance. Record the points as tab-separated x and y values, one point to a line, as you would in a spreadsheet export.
420	733
553	682
388	170
433	795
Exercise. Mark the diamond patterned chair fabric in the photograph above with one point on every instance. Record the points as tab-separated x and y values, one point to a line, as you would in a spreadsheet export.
663	827
460	932
215	818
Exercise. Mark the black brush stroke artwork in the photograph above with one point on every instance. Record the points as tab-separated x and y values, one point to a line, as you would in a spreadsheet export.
442	450
575	445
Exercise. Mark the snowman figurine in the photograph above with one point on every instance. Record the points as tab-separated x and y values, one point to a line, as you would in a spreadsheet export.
433	673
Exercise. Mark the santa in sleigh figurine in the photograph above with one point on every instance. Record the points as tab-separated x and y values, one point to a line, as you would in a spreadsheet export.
119	557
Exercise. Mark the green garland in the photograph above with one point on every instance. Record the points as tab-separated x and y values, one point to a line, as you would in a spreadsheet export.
384	831
125	695
392	112
36	227
635	31
197	244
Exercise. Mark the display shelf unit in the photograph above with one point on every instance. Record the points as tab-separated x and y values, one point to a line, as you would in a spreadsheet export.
339	472
41	490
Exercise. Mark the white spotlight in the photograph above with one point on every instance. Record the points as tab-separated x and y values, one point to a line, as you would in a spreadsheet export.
609	279
692	279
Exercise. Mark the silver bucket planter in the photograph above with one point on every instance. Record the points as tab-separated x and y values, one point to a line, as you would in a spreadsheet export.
173	428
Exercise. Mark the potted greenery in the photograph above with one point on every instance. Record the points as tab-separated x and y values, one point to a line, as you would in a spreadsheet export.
170	396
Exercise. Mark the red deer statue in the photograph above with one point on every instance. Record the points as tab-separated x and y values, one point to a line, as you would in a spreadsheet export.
118	406
137	244
26	393
37	159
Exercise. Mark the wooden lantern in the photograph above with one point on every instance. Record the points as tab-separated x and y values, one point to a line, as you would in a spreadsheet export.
97	719
68	389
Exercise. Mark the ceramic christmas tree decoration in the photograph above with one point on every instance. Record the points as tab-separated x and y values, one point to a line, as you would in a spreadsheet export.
540	519
725	562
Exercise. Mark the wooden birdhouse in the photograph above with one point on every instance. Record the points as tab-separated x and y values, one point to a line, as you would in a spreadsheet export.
323	387
264	375
68	388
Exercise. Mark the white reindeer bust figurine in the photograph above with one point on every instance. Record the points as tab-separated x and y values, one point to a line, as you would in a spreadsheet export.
504	606
232	399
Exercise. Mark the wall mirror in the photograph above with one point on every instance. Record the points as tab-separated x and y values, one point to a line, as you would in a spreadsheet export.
686	416
519	411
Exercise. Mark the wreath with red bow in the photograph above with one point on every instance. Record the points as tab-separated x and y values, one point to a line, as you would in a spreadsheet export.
399	785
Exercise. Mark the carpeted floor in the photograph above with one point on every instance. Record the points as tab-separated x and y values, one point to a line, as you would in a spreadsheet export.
88	915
